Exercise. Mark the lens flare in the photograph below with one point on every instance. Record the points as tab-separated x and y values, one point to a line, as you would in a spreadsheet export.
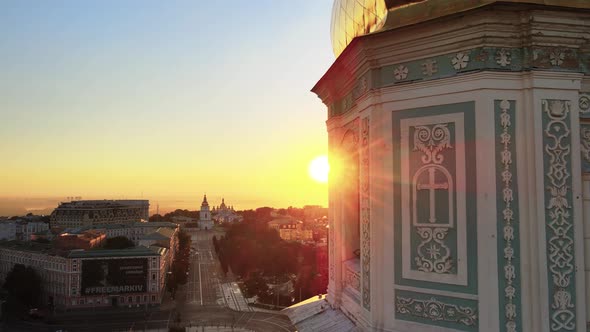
319	169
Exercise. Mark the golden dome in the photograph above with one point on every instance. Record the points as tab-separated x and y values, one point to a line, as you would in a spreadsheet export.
353	18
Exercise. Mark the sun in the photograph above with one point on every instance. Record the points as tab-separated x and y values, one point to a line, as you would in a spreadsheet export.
319	169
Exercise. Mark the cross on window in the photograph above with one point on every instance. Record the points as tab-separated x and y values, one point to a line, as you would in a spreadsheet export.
432	186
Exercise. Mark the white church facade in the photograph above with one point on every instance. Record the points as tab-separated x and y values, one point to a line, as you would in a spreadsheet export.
461	131
205	219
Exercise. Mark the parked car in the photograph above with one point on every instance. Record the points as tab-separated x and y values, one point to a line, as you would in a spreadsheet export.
36	313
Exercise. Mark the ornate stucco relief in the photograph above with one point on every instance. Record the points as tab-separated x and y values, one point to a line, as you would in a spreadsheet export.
436	310
559	226
365	215
516	59
508	232
432	254
433	199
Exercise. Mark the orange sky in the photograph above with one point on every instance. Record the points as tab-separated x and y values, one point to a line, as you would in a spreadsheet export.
163	102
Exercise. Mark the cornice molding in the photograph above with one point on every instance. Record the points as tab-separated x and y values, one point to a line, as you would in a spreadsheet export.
547	39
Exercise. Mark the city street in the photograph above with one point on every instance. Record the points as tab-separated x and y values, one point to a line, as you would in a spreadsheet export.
100	320
126	320
203	286
206	284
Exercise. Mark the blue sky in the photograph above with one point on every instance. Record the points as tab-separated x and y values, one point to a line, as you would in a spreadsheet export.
169	98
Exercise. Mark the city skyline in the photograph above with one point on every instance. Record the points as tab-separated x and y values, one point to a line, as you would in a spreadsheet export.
163	101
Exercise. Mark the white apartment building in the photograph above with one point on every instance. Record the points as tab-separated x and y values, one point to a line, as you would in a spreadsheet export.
92	212
69	277
21	229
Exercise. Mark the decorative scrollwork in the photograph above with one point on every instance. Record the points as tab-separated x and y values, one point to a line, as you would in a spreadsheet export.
584	103
429	67
460	60
585	142
503	57
433	254
431	141
559	227
352	279
436	310
508	217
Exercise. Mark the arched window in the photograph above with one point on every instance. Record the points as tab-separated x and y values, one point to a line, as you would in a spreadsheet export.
350	195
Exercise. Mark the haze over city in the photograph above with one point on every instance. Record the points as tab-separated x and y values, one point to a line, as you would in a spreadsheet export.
143	99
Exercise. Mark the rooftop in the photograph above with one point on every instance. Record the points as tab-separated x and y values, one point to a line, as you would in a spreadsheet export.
159	250
163	233
92	204
96	253
122	226
316	314
28	246
285	221
86	235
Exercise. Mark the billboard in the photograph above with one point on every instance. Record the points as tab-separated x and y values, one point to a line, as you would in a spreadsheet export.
114	276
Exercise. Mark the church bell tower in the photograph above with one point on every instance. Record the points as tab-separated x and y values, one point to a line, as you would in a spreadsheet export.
205	221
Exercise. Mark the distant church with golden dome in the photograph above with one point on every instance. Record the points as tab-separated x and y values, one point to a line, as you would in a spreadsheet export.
462	198
224	213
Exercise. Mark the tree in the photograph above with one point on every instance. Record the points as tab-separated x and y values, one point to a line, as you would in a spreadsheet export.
184	240
156	217
24	287
215	244
118	242
264	214
180	265
255	285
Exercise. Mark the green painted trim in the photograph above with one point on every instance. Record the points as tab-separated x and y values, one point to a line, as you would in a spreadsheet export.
559	224
468	111
584	104
508	221
442	311
585	146
463	62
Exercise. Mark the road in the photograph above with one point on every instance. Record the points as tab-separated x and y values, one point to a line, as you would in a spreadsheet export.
100	320
159	321
205	276
206	284
215	300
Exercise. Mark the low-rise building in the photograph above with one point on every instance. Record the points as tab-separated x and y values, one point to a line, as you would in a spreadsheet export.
21	228
134	231
46	236
25	229
83	240
91	278
7	230
128	277
164	237
291	230
183	220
